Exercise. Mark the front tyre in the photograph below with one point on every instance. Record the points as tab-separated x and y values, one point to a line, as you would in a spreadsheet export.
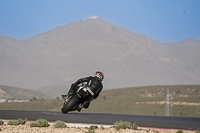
70	104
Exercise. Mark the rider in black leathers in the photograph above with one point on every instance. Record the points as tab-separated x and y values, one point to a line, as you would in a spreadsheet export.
91	90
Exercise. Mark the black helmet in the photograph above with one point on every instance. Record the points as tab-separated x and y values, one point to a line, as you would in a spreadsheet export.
100	75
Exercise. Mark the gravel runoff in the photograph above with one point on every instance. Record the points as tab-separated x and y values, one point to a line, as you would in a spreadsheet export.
79	128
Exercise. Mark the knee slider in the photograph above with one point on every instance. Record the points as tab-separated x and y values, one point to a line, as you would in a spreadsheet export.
86	105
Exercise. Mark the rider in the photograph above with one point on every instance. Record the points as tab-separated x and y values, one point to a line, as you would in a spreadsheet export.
91	90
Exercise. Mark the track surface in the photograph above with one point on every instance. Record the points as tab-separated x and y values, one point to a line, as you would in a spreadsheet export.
187	123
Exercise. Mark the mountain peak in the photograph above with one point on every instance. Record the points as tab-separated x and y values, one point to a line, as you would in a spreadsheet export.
92	17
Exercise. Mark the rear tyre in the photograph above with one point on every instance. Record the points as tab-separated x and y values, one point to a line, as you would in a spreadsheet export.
70	104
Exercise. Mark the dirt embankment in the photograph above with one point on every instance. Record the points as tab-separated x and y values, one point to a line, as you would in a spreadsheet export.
50	129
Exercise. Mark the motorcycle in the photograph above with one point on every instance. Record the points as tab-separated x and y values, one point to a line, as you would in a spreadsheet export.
72	102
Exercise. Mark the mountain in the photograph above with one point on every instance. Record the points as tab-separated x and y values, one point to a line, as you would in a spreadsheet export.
65	54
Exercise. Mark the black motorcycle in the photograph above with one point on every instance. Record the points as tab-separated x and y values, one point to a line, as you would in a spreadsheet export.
72	103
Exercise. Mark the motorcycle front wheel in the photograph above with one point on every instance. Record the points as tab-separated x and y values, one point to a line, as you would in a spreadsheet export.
70	104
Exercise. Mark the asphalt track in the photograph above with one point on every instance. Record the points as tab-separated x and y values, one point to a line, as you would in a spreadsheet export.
185	123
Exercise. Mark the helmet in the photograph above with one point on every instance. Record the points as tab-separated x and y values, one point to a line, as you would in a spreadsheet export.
100	75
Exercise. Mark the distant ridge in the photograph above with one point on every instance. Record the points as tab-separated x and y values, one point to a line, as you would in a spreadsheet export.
64	54
14	93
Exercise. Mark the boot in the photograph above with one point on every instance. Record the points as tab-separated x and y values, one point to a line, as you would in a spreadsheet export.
65	96
71	91
80	107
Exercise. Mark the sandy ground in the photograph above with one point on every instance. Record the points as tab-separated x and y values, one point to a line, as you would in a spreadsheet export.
51	129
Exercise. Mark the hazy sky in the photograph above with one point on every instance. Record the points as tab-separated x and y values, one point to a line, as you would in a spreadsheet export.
163	20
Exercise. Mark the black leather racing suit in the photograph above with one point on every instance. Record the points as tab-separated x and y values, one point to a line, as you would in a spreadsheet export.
94	87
